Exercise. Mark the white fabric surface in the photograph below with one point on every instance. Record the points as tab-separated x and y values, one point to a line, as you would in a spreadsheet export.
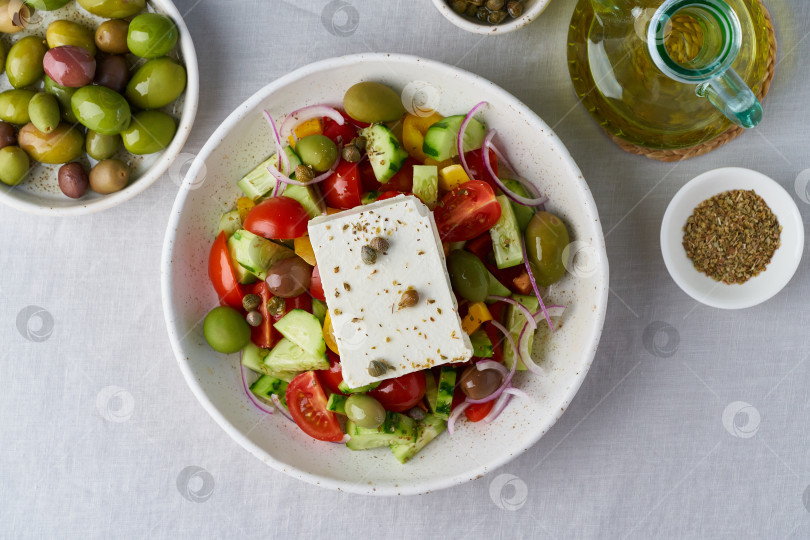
101	437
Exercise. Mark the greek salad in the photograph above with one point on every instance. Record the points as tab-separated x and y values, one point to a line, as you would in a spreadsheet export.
384	273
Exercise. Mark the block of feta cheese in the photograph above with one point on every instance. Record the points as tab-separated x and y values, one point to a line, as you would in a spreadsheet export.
363	299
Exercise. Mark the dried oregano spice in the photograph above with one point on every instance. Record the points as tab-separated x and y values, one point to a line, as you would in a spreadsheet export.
732	236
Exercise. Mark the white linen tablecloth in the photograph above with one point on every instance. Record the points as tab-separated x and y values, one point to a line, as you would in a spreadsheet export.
693	422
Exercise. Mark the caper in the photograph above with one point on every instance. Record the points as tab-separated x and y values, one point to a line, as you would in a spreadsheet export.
254	318
378	368
476	3
459	6
482	14
494	5
351	154
360	142
251	302
515	8
276	306
379	244
472	9
417	414
496	17
303	173
409	299
368	254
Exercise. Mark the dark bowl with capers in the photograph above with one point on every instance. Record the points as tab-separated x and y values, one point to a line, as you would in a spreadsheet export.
491	16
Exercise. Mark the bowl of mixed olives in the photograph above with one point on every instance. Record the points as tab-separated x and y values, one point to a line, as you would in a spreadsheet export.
491	16
97	98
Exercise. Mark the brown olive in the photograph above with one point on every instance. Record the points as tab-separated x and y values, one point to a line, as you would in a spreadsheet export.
476	2
113	72
73	180
459	6
496	17
479	383
111	36
109	176
495	5
515	8
289	277
472	9
8	137
482	14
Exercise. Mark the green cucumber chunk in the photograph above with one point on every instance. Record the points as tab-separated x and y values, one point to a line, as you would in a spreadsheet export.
431	390
523	214
369	197
426	184
287	356
307	196
444	398
343	387
319	310
384	152
337	403
266	385
440	139
304	329
515	319
256	254
496	287
506	236
259	182
229	223
253	358
426	430
395	429
482	345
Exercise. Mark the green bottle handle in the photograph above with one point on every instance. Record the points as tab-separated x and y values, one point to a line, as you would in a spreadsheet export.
733	98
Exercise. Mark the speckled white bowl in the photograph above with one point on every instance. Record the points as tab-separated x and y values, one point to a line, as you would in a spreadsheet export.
40	193
531	9
242	141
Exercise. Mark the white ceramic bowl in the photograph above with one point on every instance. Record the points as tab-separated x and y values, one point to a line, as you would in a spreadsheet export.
531	9
756	290
242	141
40	193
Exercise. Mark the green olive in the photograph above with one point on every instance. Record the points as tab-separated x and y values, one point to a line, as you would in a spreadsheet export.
226	330
546	239
111	36
149	132
468	275
156	83
113	9
14	165
151	35
63	144
101	109
373	102
14	106
14	16
109	176
44	112
365	411
318	151
47	5
63	32
62	95
3	54
101	147
24	61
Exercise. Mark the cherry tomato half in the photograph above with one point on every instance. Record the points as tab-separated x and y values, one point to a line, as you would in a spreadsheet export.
467	211
475	162
401	393
263	335
332	377
338	133
316	286
222	275
391	195
307	403
277	217
478	411
402	181
343	187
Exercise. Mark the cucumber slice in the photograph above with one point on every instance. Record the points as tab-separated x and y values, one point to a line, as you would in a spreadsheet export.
369	197
343	387
395	429
431	390
384	152
305	330
287	356
267	385
426	184
444	398
253	358
523	214
496	287
256	254
440	139
514	323
307	196
482	345
426	430
319	310
506	236
337	404
259	182
229	223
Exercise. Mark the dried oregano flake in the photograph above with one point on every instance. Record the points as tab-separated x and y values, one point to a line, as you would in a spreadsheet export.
732	236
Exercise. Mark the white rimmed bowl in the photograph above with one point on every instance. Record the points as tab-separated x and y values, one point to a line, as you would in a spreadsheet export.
242	141
40	193
758	289
531	9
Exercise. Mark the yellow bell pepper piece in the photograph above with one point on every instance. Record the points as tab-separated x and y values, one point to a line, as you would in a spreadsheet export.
413	133
451	177
329	334
477	315
330	210
303	248
310	127
243	206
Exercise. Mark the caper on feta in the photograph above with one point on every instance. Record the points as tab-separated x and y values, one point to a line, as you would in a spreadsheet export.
378	368
379	244
409	299
368	254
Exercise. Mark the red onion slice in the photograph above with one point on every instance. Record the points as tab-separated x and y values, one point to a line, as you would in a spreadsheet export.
283	179
494	177
553	311
498	408
283	160
308	113
280	406
508	378
255	401
460	137
525	183
521	307
534	283
492	364
451	422
517	392
523	352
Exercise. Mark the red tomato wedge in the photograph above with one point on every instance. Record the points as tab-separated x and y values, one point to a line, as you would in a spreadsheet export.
401	393
467	211
307	403
402	181
278	218
222	275
263	335
316	286
337	133
478	411
391	195
332	377
343	187
475	162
